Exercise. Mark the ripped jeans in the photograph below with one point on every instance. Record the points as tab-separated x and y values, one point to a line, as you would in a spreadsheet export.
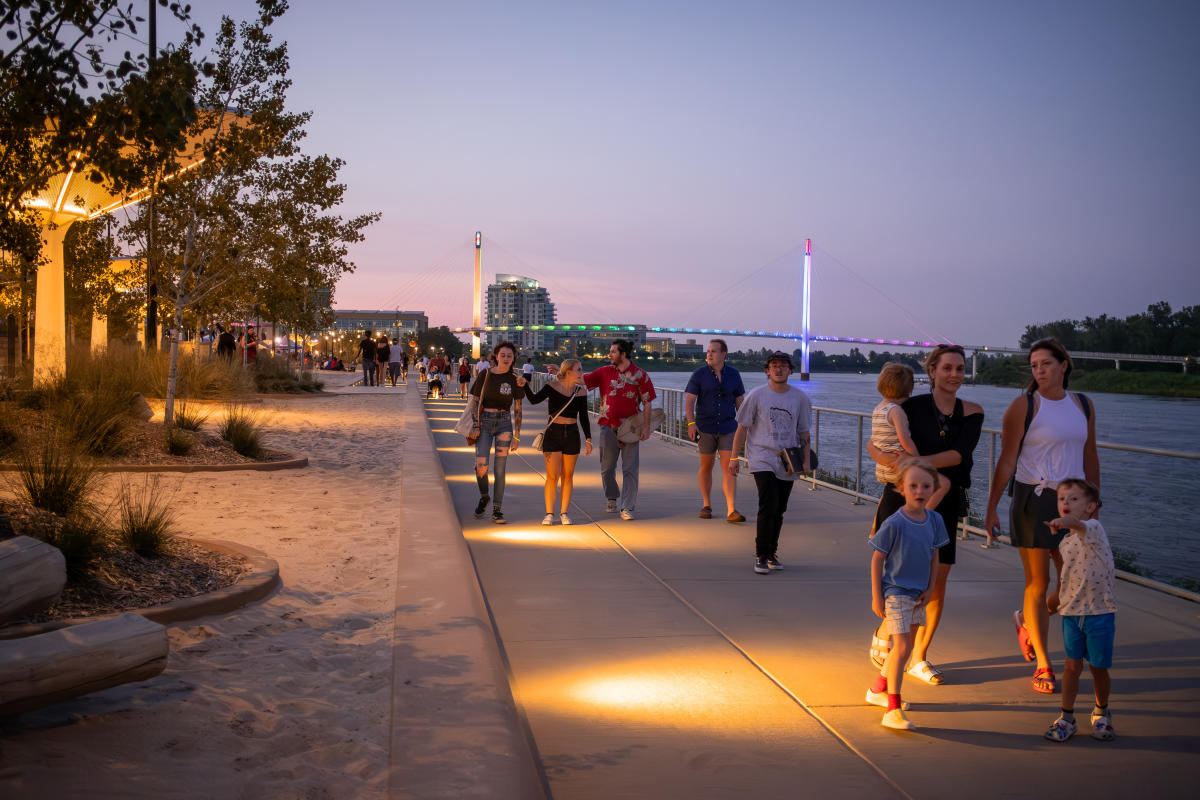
494	426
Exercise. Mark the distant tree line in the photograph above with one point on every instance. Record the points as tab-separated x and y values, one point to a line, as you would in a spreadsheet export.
820	361
1158	331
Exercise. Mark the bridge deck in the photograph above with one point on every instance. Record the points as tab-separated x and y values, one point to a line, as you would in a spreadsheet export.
652	662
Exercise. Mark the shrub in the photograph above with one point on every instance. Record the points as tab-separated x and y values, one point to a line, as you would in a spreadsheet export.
77	538
8	435
179	441
53	475
97	420
35	399
147	521
275	375
241	428
188	420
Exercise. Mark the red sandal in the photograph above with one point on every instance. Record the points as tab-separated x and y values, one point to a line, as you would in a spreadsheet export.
1043	681
1023	642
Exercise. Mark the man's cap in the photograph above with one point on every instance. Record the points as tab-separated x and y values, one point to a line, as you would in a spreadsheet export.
779	355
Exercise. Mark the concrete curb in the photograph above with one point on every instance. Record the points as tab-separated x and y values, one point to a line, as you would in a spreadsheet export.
260	581
254	466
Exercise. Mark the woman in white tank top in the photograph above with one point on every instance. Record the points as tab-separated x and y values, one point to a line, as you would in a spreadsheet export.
1057	443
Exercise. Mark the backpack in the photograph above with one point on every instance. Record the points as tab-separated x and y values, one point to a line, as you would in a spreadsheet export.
1084	403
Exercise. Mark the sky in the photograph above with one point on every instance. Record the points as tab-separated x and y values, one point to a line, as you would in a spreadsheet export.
964	169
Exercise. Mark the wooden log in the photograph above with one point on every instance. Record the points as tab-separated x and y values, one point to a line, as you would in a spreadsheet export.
32	574
51	667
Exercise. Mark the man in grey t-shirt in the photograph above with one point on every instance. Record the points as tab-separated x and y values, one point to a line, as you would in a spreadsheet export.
771	418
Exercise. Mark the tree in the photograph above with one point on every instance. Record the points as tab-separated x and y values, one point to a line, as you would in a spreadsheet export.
251	218
442	339
62	77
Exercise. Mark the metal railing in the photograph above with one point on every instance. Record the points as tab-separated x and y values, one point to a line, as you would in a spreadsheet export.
844	455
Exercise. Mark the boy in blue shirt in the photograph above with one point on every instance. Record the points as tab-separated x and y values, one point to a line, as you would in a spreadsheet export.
902	569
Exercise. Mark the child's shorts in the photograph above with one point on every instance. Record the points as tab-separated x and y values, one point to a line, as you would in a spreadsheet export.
901	613
1090	637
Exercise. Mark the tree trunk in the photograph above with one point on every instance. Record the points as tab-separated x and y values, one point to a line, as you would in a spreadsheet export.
173	364
51	667
32	574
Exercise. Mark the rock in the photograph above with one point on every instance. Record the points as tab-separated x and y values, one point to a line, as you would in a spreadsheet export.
139	408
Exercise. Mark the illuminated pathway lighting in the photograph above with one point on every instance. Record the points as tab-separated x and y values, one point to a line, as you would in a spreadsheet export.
528	479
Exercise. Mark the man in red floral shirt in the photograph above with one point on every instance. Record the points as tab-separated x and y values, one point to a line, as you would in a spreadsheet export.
625	390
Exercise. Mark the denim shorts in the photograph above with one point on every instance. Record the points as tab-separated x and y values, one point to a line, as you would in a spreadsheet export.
1090	637
901	613
491	425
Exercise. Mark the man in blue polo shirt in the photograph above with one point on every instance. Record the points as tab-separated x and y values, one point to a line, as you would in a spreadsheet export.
714	393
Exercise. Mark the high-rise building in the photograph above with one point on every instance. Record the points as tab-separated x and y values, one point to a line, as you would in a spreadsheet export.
517	300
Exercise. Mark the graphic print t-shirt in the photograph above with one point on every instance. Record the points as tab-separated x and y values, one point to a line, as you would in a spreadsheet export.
775	420
500	390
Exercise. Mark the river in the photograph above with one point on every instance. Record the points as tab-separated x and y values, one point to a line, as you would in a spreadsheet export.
1135	485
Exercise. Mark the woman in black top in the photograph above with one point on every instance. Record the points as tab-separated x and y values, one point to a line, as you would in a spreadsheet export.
945	431
560	446
498	391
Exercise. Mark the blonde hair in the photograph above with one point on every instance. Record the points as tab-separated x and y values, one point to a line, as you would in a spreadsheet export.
919	464
567	364
895	380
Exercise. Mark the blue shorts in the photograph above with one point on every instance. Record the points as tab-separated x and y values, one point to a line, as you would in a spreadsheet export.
1090	637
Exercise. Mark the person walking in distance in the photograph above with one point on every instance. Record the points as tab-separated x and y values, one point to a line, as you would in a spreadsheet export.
394	362
625	391
714	394
366	352
772	417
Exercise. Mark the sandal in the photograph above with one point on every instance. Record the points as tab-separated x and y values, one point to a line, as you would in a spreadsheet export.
1102	729
879	649
924	671
706	512
1043	681
1060	730
1023	642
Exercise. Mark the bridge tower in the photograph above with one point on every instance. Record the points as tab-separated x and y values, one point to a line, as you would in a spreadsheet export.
804	374
475	299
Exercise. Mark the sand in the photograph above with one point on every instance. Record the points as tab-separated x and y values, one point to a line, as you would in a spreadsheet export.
289	697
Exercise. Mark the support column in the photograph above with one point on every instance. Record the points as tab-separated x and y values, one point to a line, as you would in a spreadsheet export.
1117	362
99	333
50	313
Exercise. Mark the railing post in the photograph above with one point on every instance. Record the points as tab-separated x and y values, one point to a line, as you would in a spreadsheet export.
859	468
816	444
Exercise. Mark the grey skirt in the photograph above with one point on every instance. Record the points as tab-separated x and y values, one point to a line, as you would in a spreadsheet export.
1028	515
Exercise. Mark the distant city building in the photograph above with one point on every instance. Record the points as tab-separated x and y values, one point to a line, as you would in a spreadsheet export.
402	325
517	300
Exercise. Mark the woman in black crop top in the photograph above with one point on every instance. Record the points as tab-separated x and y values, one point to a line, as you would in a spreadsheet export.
498	392
560	446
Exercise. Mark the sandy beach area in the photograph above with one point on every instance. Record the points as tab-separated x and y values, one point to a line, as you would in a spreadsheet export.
290	697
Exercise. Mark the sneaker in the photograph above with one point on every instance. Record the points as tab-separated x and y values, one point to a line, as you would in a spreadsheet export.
564	519
1102	729
1060	730
706	512
735	516
548	519
760	566
896	720
611	506
880	699
626	514
773	562
498	518
482	506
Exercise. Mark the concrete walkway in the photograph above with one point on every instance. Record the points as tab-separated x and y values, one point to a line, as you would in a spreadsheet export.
652	662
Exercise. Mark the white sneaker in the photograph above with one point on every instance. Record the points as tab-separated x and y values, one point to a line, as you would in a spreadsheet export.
880	699
564	519
611	506
896	720
548	519
626	514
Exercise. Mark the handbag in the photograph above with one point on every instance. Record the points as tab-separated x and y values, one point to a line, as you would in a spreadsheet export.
793	460
468	422
538	440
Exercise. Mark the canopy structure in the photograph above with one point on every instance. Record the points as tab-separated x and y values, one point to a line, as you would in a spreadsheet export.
70	197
